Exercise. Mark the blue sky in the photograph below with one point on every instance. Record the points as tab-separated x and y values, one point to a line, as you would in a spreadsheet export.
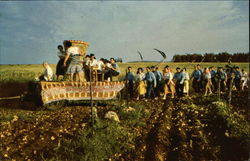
31	31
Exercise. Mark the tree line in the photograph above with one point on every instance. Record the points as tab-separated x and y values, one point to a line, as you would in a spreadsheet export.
211	57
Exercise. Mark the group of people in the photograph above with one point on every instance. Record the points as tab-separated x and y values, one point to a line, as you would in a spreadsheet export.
156	84
72	65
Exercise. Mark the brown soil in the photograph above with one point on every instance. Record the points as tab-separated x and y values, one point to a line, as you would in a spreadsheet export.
40	131
25	139
11	89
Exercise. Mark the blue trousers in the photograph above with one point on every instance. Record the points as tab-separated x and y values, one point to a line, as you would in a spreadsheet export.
150	90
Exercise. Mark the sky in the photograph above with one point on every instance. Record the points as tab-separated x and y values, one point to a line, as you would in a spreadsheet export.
31	30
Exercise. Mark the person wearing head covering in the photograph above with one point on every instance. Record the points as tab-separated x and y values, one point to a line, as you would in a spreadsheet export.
60	69
169	86
47	74
75	66
141	86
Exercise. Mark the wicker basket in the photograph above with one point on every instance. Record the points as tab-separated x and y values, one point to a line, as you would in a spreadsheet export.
83	46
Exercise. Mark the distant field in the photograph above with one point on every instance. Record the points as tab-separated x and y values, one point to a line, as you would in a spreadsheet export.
28	72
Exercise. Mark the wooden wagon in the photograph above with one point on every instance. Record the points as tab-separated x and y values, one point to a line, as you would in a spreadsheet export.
47	92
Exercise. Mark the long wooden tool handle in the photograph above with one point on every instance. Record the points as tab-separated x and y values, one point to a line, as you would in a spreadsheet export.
9	98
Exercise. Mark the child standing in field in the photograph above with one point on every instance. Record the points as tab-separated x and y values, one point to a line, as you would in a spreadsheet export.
141	86
169	86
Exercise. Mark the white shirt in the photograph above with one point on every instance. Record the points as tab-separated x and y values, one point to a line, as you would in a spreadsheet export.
108	65
48	74
140	77
73	50
61	54
168	76
207	75
244	76
93	63
186	76
87	61
100	65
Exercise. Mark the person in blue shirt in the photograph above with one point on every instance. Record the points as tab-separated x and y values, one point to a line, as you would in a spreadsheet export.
222	78
113	70
213	78
158	77
130	77
196	76
237	78
200	82
151	83
179	78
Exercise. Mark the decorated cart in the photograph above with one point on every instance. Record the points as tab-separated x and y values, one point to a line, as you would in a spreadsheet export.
44	92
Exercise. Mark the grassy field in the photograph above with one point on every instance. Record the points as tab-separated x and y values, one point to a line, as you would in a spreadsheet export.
16	72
